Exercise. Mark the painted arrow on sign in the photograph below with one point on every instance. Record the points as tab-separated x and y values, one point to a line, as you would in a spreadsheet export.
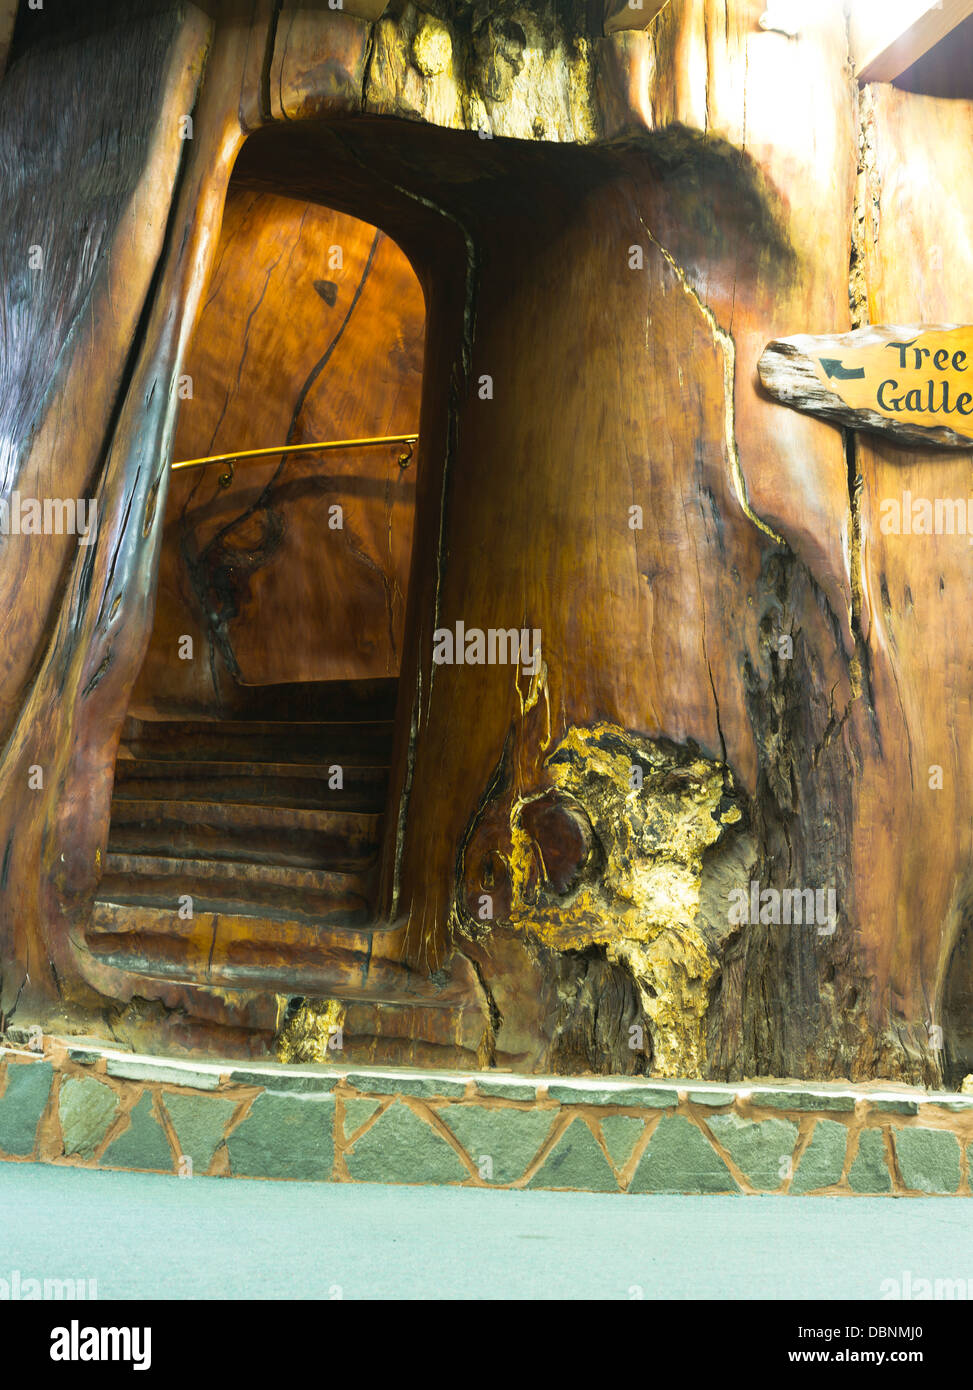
913	383
835	368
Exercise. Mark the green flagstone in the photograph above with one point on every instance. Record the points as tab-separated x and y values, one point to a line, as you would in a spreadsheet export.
760	1148
85	1108
652	1097
713	1098
869	1172
312	1083
28	1087
824	1158
928	1159
803	1100
284	1136
896	1107
143	1144
620	1133
576	1162
151	1069
401	1147
422	1087
679	1158
357	1112
200	1123
507	1089
500	1142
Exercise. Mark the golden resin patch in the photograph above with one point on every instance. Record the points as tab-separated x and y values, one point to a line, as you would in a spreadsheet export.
642	904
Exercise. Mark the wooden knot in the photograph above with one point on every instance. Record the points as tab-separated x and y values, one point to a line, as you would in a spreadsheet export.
562	831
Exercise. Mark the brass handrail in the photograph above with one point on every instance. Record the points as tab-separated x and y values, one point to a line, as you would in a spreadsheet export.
226	478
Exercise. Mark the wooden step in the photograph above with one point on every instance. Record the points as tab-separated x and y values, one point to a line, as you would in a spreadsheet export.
271	891
238	814
344	743
342	841
291	957
252	784
309	700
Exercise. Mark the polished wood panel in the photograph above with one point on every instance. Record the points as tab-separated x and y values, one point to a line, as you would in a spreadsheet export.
312	330
914	856
607	235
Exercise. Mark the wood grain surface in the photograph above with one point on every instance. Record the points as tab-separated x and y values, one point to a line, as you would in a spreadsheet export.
607	234
290	347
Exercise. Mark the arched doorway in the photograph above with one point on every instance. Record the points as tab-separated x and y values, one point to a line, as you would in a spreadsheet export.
252	785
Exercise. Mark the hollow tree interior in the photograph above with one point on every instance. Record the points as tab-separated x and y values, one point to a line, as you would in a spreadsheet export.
251	787
493	599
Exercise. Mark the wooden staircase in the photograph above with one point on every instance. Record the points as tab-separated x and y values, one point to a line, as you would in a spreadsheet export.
241	816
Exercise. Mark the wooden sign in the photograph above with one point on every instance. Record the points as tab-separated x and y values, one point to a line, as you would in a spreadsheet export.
915	383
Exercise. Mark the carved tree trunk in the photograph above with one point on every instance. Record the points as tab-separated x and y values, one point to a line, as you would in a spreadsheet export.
742	685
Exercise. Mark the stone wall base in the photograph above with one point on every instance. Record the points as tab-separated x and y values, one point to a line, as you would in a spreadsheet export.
80	1104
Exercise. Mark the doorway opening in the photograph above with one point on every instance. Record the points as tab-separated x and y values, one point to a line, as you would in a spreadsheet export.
252	783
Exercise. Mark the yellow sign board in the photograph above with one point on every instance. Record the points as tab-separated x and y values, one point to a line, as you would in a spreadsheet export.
915	382
924	380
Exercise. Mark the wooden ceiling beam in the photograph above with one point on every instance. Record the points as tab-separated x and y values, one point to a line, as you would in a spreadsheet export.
631	14
888	36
